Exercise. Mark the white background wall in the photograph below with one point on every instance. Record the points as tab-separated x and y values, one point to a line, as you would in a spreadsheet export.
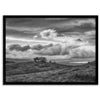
40	7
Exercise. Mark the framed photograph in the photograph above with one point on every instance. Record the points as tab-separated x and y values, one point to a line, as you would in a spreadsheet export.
50	50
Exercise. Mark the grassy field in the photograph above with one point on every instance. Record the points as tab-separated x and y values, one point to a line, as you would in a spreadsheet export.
29	71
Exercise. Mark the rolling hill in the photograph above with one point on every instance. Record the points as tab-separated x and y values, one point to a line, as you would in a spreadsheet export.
29	71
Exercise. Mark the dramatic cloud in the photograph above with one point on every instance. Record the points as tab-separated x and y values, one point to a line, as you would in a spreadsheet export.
17	47
83	52
48	34
83	22
90	33
53	50
37	25
75	25
57	50
72	51
61	50
72	46
39	46
51	37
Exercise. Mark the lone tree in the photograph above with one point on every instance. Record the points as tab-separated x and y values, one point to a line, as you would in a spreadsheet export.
40	59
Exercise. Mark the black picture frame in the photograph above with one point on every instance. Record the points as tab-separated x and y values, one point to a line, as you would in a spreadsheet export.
47	16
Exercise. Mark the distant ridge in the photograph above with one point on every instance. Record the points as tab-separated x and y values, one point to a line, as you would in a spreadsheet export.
92	63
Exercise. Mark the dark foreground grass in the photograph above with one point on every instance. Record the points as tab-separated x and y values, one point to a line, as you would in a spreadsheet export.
49	72
82	78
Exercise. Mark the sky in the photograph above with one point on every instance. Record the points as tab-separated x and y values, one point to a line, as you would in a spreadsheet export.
53	38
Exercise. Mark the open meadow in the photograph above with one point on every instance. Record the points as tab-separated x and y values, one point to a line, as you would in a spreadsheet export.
29	71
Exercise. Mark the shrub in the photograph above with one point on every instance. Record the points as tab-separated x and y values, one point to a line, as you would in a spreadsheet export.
40	59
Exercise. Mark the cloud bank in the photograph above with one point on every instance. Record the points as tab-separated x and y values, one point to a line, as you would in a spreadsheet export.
17	47
62	49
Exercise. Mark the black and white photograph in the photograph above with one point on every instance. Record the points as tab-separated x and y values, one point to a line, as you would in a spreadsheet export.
50	50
